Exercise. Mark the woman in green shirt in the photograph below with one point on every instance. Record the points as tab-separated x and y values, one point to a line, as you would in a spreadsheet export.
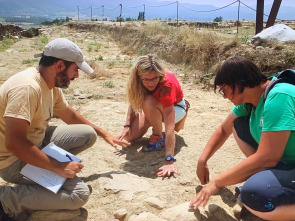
264	131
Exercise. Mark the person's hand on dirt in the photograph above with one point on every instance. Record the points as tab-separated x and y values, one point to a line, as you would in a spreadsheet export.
166	171
126	131
204	195
69	169
203	173
115	141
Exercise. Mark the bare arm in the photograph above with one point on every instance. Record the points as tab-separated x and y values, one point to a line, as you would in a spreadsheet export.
268	154
130	116
128	124
219	136
169	121
270	151
17	143
70	116
217	139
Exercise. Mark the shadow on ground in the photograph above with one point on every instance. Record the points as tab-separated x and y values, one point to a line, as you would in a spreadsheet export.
136	157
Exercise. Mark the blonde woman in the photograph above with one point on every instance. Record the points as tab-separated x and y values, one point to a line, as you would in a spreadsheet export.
155	96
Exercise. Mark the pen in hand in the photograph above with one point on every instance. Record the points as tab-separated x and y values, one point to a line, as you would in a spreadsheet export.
68	156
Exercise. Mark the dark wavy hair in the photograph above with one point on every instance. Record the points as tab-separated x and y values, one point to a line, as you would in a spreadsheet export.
238	72
47	61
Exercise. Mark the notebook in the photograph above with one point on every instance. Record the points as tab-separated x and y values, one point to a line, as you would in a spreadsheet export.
46	178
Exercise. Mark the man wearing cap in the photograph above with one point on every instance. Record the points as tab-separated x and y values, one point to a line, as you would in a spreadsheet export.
28	100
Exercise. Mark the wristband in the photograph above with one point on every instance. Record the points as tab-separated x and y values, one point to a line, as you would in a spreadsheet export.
170	158
127	125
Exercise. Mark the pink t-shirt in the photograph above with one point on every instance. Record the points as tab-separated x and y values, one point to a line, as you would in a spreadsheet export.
174	95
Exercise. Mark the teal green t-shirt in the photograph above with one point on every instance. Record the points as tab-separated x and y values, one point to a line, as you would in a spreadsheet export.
277	113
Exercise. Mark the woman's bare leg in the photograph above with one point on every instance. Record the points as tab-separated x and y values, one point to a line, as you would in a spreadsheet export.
150	116
153	111
138	128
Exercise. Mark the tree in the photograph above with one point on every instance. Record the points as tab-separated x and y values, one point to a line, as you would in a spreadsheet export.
141	16
218	19
129	19
119	19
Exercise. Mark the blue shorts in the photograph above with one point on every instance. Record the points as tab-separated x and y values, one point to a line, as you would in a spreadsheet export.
268	189
179	108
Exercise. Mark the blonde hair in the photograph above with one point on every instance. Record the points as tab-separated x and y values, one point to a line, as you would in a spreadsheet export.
136	92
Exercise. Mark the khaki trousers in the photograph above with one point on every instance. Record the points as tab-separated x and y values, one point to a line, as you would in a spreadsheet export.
26	195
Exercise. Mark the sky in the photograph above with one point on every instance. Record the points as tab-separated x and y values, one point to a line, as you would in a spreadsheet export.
220	3
285	12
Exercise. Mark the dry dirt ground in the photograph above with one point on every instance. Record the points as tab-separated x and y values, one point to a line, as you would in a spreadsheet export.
123	180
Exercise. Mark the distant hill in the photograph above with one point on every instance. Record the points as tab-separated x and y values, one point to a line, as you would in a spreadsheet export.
130	8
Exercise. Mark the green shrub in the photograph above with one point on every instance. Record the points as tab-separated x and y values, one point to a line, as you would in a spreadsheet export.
93	46
245	38
6	43
99	58
109	84
111	64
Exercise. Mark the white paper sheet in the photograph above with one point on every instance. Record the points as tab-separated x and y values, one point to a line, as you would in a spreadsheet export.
46	178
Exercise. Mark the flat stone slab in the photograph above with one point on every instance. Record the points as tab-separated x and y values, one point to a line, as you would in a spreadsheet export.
127	182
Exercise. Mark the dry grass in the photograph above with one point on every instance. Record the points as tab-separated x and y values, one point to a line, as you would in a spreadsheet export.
6	43
200	50
99	72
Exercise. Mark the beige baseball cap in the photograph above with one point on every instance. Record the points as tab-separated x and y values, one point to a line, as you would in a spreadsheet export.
66	50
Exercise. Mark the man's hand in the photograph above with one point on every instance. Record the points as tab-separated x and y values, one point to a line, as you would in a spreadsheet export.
115	141
167	170
69	169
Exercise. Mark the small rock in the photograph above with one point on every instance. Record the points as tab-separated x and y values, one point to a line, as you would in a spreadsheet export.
237	211
85	96
154	163
181	212
259	48
120	214
82	96
77	93
154	202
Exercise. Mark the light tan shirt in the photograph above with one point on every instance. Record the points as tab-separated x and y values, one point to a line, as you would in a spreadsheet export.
26	96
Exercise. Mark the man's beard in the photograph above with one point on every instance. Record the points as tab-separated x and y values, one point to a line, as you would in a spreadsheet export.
61	79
